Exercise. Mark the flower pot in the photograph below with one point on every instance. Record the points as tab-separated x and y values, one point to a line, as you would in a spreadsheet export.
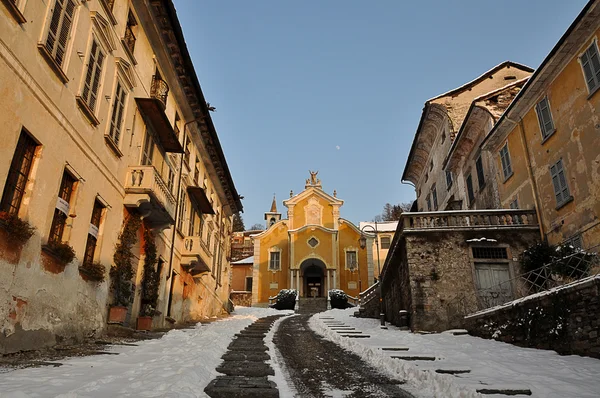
117	314
144	323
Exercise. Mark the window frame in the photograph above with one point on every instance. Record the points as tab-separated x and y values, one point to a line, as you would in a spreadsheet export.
563	185
546	134
58	66
116	141
349	252
449	180
91	244
595	73
434	197
67	188
389	242
505	162
470	191
275	265
480	172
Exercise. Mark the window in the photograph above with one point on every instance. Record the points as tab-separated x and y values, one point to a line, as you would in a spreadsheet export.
170	179
201	227
182	205
18	174
480	176
176	124
274	261
61	212
116	118
431	165
470	189
248	283
545	117
148	149
92	237
313	242
130	29
434	196
505	159
59	30
559	181
428	199
351	261
574	241
186	155
192	222
449	179
490	252
92	76
196	174
590	62
514	204
385	242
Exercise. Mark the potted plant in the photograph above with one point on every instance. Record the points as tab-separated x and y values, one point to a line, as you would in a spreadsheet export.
150	282
94	272
14	232
121	271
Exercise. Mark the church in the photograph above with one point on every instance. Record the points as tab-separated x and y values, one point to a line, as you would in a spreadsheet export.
313	250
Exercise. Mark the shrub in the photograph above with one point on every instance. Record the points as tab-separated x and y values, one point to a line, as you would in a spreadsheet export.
339	299
286	299
122	271
151	277
93	271
63	251
19	231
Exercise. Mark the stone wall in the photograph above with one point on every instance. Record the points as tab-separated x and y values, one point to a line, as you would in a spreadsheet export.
565	319
432	274
243	299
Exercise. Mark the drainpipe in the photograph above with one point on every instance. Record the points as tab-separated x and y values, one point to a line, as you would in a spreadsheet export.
530	173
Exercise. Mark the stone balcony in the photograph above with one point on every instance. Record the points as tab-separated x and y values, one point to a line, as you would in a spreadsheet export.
146	191
195	256
469	220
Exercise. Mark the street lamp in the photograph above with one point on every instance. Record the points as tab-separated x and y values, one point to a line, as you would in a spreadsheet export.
363	244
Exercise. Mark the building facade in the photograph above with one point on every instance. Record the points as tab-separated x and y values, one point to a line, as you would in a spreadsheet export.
383	234
545	144
104	121
313	250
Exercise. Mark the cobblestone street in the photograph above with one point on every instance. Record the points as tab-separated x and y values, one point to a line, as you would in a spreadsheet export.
320	368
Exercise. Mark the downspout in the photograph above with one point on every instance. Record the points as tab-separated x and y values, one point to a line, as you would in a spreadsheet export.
530	173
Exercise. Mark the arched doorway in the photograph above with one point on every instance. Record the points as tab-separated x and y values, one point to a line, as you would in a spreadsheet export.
313	278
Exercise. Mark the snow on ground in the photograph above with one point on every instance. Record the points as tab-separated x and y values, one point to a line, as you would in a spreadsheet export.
180	364
491	363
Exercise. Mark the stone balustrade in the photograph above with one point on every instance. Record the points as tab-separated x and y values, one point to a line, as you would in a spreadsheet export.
469	219
146	180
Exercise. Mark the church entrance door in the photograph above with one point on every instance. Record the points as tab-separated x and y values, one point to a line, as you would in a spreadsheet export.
314	280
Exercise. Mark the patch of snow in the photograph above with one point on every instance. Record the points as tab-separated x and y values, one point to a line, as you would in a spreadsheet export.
282	377
481	240
180	364
490	362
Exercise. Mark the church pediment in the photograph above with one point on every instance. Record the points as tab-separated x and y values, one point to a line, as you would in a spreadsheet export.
313	191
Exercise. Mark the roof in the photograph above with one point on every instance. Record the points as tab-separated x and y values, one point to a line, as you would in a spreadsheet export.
584	25
244	261
384	226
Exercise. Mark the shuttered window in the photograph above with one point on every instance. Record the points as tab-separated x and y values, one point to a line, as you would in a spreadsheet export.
59	29
545	117
448	179
470	189
434	196
116	118
148	149
590	62
92	238
480	175
505	159
18	174
559	181
93	75
60	216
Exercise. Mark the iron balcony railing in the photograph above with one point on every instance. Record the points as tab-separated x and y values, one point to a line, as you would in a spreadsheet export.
159	90
129	39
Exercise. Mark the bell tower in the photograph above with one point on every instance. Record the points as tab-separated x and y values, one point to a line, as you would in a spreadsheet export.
272	216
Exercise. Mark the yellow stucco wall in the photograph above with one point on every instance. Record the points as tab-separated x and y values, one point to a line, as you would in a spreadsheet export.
575	141
276	236
299	218
348	239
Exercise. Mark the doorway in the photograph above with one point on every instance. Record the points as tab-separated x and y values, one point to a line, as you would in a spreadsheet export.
314	281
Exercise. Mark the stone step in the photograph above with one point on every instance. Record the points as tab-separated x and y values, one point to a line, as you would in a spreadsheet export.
452	371
348	331
394	348
249	336
490	390
245	346
414	357
242	387
245	368
356	336
252	356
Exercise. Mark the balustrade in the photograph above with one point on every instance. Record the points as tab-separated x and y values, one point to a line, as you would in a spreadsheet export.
470	219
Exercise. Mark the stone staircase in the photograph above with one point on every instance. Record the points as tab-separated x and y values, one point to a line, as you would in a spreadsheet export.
310	305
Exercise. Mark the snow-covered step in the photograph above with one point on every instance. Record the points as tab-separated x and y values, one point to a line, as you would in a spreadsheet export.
504	390
394	348
356	336
453	371
414	357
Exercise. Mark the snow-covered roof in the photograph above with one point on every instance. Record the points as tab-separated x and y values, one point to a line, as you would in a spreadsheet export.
384	226
247	260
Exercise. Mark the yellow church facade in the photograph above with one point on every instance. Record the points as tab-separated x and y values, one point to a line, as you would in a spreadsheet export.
312	251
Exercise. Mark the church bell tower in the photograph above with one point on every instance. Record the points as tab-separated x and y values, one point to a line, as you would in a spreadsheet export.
272	216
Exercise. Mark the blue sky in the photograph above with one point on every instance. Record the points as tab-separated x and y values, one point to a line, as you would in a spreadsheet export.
338	85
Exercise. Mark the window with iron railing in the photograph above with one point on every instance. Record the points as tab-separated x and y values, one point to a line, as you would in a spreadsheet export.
18	174
159	89
129	38
61	212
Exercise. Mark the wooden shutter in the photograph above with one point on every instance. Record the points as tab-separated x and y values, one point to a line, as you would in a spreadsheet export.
559	182
59	29
117	114
545	117
591	67
92	76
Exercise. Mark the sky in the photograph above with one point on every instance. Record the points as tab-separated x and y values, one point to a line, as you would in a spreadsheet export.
338	86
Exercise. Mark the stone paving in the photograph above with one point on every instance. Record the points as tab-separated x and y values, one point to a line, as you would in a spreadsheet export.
244	365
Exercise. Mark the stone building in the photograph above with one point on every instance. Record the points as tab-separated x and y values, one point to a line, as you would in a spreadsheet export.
104	121
313	250
545	145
